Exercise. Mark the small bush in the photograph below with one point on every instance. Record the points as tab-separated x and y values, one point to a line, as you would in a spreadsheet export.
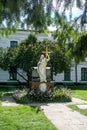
62	94
21	96
55	95
38	96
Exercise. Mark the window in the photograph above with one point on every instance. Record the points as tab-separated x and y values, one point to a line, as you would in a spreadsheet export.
13	73
67	75
84	74
13	43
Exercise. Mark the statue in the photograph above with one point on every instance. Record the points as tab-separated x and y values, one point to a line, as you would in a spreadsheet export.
45	84
42	66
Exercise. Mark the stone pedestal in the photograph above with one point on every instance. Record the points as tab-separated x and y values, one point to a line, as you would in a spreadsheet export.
42	86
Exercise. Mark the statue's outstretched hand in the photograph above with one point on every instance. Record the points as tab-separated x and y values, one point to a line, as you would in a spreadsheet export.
47	55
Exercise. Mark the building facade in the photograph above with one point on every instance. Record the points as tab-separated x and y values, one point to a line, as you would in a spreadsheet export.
76	74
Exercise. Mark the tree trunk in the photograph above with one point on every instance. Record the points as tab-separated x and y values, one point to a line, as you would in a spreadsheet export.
52	73
29	75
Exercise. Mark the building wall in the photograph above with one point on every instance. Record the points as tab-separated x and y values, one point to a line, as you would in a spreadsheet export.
4	76
81	65
21	79
20	36
60	77
73	76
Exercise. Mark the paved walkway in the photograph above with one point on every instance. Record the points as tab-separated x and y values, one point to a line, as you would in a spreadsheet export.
60	115
8	101
64	118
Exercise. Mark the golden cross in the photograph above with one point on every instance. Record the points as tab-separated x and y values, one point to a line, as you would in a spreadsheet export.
46	52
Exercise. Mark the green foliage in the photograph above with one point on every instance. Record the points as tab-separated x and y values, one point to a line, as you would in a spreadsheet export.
24	118
25	96
38	96
62	94
30	55
75	108
80	49
39	14
71	42
8	58
26	56
79	3
59	60
31	39
21	96
65	34
6	31
0	97
80	92
53	95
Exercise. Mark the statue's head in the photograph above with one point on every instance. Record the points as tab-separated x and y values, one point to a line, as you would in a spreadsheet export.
42	57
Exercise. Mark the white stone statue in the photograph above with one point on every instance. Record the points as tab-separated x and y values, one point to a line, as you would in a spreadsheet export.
41	67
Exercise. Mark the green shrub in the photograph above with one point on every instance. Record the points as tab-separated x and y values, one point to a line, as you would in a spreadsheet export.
38	96
62	94
21	96
55	95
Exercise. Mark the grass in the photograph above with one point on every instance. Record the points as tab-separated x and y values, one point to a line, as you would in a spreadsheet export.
79	92
82	94
22	117
0	96
82	111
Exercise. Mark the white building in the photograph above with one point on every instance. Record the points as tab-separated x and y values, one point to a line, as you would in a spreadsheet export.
77	73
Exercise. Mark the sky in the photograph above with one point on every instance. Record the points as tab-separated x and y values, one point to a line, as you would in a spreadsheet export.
75	11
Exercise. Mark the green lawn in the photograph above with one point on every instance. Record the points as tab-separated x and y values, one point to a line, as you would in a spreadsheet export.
82	94
23	118
79	92
82	111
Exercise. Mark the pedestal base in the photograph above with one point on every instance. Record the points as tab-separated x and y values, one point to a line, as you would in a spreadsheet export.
42	86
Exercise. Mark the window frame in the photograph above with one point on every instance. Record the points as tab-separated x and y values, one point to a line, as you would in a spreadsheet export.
14	42
67	74
83	74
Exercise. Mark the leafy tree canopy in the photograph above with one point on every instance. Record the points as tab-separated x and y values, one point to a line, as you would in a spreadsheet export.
27	56
80	48
37	13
